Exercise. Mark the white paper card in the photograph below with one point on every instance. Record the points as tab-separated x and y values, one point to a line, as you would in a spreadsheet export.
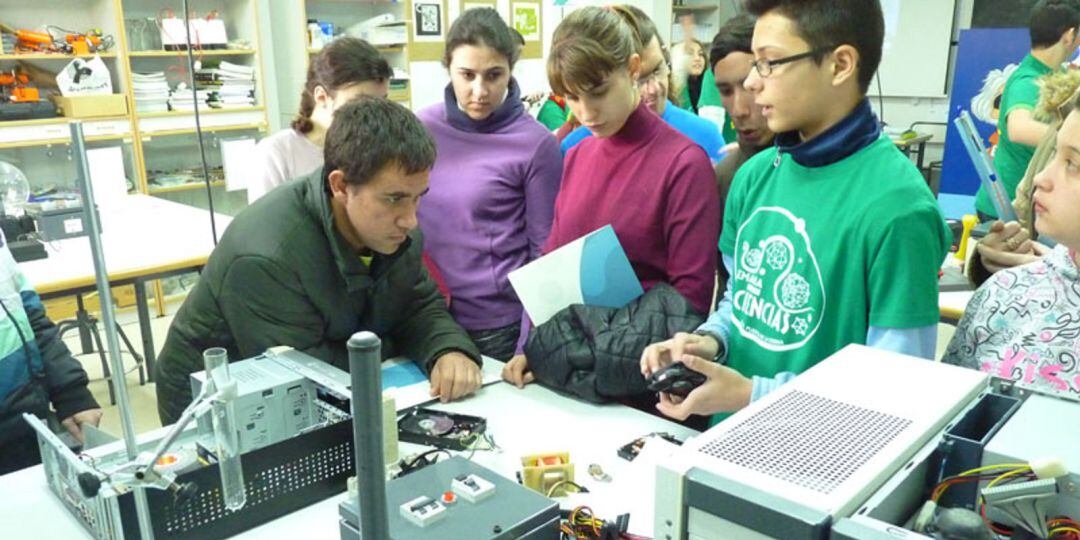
85	78
592	270
107	175
236	157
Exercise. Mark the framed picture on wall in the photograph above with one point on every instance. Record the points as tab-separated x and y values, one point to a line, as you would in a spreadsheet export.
527	20
428	17
525	17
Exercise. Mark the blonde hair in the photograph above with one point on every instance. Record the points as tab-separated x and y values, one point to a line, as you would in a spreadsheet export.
1057	95
588	45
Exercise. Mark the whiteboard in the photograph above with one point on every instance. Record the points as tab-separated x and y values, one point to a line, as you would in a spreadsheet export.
915	59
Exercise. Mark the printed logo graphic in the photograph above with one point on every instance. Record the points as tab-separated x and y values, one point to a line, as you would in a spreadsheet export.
779	295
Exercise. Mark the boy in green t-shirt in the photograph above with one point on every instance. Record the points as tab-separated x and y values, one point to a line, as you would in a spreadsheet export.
831	237
1054	38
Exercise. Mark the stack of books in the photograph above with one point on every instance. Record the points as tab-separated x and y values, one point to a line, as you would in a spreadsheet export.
182	98
229	85
151	92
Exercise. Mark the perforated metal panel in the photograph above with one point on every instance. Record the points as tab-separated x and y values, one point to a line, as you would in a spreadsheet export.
807	440
265	486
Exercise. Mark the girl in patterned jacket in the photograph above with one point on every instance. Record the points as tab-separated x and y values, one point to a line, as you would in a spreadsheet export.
1024	322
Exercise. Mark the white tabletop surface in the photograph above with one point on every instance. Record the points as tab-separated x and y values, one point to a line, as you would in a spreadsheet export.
140	235
523	422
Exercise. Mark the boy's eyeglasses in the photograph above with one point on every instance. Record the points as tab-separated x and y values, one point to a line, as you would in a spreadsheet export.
658	75
765	67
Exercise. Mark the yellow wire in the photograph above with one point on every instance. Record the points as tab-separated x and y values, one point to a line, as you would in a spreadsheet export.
1008	474
557	485
1017	468
1024	466
1060	530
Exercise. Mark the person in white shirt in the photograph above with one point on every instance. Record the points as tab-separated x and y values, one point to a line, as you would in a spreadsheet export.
345	69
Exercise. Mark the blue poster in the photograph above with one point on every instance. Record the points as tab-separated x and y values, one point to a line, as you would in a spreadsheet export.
984	60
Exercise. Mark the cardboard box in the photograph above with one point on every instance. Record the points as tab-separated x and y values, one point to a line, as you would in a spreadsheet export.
91	106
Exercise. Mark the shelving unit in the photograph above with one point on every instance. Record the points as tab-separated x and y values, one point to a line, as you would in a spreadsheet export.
346	13
184	187
150	142
54	56
42	148
183	54
241	21
117	18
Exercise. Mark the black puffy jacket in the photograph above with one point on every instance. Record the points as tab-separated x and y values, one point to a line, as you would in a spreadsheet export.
595	352
283	275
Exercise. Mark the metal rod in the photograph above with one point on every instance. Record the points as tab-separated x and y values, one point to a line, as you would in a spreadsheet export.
116	363
365	368
198	122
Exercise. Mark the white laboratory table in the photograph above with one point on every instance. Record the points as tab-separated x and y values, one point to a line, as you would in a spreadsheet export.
143	238
529	421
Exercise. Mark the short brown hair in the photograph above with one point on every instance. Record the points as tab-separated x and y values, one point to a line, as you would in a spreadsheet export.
345	61
369	133
588	45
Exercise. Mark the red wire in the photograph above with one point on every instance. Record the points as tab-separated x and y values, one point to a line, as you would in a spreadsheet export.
993	527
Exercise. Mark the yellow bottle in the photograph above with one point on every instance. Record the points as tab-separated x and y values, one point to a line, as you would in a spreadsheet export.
969	223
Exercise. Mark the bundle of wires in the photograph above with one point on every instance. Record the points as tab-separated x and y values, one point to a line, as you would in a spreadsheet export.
1064	528
983	474
582	524
994	475
484	442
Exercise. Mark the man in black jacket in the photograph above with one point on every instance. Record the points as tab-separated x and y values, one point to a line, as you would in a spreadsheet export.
36	370
324	256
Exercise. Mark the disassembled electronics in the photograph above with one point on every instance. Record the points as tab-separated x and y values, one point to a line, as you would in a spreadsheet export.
439	428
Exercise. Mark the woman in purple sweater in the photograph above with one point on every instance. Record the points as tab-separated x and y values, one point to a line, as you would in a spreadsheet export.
493	187
653	185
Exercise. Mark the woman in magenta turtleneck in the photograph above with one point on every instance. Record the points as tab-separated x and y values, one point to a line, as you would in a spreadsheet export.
493	187
652	184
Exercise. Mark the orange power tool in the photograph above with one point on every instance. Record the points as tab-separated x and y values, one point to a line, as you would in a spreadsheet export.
21	91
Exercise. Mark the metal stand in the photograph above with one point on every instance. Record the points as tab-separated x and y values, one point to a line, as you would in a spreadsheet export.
90	217
365	367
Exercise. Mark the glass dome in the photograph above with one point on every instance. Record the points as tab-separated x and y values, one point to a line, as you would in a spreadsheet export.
14	189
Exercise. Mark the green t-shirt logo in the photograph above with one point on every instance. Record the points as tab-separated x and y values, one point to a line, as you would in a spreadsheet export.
779	295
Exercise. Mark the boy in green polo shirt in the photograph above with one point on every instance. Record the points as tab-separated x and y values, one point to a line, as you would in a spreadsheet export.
1054	38
832	236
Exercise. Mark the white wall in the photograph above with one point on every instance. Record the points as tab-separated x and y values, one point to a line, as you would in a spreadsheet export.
284	56
901	112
